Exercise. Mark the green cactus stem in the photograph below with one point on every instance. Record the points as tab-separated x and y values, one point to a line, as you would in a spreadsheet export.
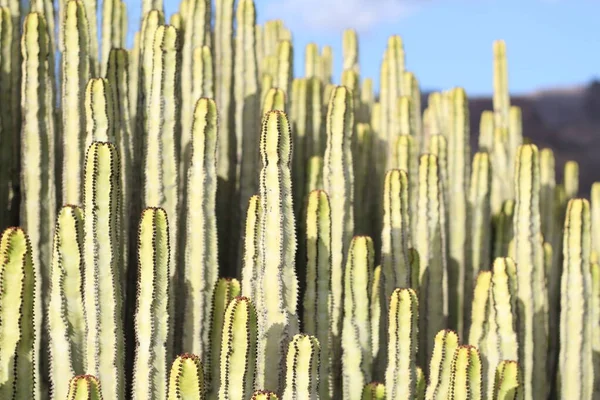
186	380
252	249
66	320
465	381
373	391
153	324
20	313
508	383
84	387
302	372
238	350
445	344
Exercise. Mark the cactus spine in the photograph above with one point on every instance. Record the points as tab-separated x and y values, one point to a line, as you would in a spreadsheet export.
318	282
533	326
84	387
575	358
357	358
152	320
302	373
19	313
103	270
238	350
186	380
66	321
278	320
75	73
401	373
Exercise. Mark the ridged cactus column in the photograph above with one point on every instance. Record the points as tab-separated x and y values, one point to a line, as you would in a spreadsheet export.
532	299
252	258
445	344
459	154
247	118
20	313
316	302
153	324
163	124
66	320
338	179
431	242
186	380
238	350
38	197
84	387
104	356
302	368
200	265
508	383
75	74
401	373
278	296
99	112
357	359
575	358
465	381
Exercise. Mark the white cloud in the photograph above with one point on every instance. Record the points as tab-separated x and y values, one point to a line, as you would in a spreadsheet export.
334	15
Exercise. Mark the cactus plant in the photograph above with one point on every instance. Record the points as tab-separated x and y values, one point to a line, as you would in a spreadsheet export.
84	387
302	368
186	380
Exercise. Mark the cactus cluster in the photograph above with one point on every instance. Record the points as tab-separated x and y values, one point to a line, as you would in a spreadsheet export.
186	219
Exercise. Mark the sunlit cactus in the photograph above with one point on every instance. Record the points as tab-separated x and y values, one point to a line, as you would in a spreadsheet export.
66	321
401	374
302	368
440	368
20	314
465	380
373	391
357	358
153	322
238	351
186	380
528	251
84	387
277	321
200	252
103	271
316	301
575	358
508	383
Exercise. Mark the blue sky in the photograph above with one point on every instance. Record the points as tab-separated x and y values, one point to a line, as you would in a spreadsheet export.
550	43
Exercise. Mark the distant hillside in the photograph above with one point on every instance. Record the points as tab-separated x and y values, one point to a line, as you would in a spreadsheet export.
565	120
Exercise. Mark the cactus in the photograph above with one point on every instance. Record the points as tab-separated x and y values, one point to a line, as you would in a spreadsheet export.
20	316
338	180
486	131
318	281
238	350
186	380
465	381
84	387
501	341
103	273
275	99
75	73
362	155
302	372
479	219
37	145
356	333
251	249
264	395
508	382
571	179
595	308
401	374
575	358
199	270
153	332
532	298
431	242
66	322
446	343
373	391
277	322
